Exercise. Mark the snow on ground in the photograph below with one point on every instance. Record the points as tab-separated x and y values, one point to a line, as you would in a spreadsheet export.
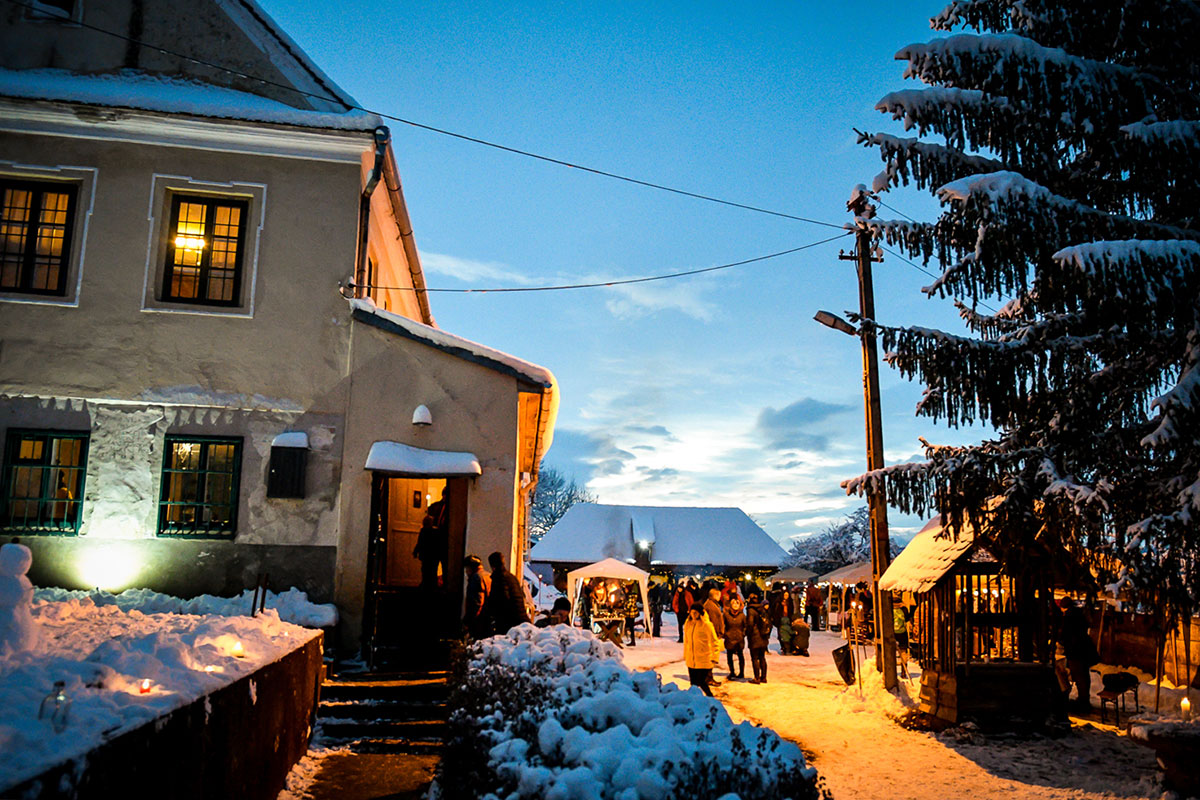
860	752
292	605
103	652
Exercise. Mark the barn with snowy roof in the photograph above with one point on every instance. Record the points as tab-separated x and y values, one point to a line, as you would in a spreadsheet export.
660	539
979	633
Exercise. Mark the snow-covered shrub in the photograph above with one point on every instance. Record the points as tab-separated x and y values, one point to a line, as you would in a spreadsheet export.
554	713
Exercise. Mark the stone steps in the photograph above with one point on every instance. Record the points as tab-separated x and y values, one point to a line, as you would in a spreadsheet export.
402	712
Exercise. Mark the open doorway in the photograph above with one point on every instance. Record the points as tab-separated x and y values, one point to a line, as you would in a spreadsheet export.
414	597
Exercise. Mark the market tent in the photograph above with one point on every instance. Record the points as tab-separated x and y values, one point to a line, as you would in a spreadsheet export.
849	574
792	575
610	568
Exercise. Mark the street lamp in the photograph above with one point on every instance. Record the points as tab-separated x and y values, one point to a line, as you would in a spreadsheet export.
834	321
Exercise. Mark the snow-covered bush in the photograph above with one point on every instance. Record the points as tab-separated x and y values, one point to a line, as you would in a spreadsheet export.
553	713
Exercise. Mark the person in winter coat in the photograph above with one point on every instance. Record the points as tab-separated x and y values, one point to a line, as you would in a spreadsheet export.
785	636
730	589
758	636
658	600
479	585
701	648
813	601
800	633
716	616
680	603
506	601
1079	649
735	636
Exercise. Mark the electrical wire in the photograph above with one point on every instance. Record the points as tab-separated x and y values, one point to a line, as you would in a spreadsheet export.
614	282
444	131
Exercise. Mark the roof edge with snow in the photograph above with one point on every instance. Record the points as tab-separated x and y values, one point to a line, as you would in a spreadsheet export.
365	311
396	458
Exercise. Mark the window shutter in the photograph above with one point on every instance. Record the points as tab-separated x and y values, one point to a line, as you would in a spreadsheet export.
285	474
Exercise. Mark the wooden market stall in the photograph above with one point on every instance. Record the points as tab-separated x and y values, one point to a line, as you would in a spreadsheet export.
980	634
839	591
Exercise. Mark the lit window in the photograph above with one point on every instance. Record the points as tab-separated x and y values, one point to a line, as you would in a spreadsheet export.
43	481
199	486
205	242
36	220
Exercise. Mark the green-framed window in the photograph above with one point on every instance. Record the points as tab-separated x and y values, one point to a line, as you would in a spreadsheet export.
199	494
205	245
43	481
36	222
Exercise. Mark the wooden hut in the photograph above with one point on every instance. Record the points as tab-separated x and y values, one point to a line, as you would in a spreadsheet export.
979	633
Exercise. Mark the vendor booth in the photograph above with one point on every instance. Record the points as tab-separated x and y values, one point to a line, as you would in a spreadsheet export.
979	634
839	591
602	617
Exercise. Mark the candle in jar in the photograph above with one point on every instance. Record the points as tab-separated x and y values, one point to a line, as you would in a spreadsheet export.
238	652
145	687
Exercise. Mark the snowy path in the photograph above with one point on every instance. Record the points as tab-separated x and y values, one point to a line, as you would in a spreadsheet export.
861	753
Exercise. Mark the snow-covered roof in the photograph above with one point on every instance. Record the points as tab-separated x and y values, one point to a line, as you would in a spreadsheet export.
366	311
173	95
591	532
851	573
291	439
792	574
929	556
403	459
608	568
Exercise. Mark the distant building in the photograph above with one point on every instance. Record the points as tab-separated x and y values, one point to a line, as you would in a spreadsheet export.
659	539
191	392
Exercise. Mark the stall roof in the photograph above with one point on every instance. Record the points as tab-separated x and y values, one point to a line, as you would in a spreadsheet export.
851	573
678	536
929	556
793	574
401	459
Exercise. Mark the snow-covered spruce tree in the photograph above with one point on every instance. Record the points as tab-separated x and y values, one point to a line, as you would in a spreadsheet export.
1062	138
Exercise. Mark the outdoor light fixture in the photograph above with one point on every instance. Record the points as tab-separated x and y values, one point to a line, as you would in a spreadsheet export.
422	417
111	566
835	322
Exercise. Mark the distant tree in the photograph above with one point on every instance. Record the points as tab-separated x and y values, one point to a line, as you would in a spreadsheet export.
555	494
841	543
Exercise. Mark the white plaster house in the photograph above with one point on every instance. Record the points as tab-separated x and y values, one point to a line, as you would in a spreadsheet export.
190	395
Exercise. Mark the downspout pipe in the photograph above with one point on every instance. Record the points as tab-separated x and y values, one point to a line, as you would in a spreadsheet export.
382	137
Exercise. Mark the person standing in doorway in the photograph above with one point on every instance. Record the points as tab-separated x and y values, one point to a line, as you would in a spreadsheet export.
506	601
475	617
433	543
701	648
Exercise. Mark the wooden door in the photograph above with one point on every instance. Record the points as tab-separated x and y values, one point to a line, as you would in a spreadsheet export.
408	502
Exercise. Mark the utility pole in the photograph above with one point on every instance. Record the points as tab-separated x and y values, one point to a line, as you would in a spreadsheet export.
881	554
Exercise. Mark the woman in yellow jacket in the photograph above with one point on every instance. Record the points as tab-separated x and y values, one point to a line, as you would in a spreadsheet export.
701	647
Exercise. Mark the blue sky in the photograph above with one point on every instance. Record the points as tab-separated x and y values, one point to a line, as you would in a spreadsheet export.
712	390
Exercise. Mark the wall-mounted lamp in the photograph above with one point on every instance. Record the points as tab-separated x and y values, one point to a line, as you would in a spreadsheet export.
421	416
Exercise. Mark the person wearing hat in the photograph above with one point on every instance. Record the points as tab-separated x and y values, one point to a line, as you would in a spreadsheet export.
475	617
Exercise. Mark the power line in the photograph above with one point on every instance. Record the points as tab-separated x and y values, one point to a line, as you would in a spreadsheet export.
614	282
446	132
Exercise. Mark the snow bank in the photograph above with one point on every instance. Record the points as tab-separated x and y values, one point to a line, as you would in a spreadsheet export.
122	668
291	606
554	713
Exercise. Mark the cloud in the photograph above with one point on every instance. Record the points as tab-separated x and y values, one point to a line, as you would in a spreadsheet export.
636	300
786	428
470	270
652	430
652	474
587	454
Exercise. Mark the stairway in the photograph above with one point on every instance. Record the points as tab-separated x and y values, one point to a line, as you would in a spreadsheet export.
388	713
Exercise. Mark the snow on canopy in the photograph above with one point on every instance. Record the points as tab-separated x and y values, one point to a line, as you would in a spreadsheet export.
402	459
928	557
146	92
849	574
681	536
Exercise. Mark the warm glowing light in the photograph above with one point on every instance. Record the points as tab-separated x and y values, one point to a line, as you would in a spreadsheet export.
112	566
210	668
189	243
145	688
1185	707
238	652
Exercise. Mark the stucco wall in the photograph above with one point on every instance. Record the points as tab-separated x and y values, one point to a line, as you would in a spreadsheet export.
474	410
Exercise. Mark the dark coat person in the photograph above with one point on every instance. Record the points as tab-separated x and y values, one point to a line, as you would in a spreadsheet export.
735	636
475	614
712	607
506	602
758	636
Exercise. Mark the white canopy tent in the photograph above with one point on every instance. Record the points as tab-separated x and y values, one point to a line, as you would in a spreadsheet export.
610	568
